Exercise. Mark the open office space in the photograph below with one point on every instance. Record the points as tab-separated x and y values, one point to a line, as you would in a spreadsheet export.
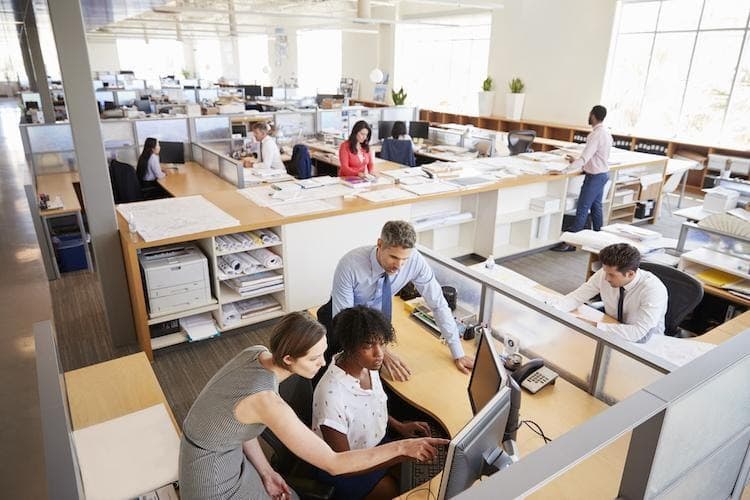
179	179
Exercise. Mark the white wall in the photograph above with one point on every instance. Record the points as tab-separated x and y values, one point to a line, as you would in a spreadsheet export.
103	55
359	53
558	48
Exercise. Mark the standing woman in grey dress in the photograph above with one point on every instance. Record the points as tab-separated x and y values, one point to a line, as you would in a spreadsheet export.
220	457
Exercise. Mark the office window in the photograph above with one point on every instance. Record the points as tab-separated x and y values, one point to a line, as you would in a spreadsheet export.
11	61
253	58
681	68
442	67
47	41
208	59
151	60
318	61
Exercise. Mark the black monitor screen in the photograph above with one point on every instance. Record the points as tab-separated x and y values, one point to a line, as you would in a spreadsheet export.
267	91
384	129
32	105
252	91
486	377
109	105
419	130
172	152
143	105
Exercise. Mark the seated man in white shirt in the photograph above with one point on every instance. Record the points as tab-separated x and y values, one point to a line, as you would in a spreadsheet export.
636	298
269	155
350	410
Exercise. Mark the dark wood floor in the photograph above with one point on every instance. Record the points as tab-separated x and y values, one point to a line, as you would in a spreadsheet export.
184	370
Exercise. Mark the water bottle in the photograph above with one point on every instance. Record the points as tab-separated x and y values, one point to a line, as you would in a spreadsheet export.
131	224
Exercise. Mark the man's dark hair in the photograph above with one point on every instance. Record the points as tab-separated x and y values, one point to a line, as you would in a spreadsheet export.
621	256
599	112
359	325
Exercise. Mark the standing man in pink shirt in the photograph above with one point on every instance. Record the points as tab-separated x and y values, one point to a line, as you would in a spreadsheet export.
595	162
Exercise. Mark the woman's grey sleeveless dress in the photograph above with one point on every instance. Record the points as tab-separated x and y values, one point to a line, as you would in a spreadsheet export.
212	463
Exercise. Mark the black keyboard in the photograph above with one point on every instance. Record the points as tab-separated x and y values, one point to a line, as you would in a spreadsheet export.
414	473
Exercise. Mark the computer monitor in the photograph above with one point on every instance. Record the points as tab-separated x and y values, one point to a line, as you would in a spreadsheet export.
419	130
253	91
108	105
267	91
32	105
384	129
487	376
143	105
476	450
171	152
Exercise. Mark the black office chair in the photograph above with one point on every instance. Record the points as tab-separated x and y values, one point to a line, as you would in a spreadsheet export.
519	141
685	292
298	393
125	185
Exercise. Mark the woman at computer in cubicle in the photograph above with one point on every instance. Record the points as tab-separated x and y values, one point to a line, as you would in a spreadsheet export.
220	457
149	169
350	410
355	156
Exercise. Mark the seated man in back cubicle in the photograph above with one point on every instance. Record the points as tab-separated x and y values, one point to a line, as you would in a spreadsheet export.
637	298
371	275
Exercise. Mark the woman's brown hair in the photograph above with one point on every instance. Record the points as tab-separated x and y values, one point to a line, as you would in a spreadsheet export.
293	336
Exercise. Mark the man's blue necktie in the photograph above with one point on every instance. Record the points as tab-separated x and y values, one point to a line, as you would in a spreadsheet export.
386	297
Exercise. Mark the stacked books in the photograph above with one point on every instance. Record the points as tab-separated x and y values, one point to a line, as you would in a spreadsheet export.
257	284
257	305
443	170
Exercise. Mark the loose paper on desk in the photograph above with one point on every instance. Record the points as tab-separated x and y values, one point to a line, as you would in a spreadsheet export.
431	188
302	207
650	179
382	195
675	350
171	217
266	196
129	455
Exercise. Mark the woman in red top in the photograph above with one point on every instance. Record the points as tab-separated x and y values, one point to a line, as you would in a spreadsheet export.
354	154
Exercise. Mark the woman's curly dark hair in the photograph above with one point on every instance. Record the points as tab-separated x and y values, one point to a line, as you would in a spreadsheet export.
359	325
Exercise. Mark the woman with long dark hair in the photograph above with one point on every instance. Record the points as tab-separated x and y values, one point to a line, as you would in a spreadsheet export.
220	457
354	154
149	169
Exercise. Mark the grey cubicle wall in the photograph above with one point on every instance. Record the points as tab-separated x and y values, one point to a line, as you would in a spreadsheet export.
61	462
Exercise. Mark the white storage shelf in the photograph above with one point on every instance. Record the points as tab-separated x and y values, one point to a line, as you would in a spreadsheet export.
184	313
229	295
230	252
223	277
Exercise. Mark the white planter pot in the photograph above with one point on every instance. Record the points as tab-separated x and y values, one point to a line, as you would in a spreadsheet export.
486	103
514	105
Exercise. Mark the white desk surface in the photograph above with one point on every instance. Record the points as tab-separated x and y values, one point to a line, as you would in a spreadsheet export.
693	213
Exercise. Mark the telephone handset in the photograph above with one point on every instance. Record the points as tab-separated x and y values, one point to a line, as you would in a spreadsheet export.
532	375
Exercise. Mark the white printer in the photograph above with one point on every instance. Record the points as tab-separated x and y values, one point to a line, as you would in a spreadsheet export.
176	278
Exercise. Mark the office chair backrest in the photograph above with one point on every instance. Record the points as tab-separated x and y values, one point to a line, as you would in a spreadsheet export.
685	292
125	185
399	151
298	393
301	164
519	141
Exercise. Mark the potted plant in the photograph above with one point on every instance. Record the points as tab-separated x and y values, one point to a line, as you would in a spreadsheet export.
399	98
514	99
486	97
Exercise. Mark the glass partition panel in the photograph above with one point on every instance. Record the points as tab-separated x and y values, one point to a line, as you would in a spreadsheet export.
211	161
50	138
622	376
439	136
468	291
208	94
51	163
126	97
164	130
212	128
197	153
103	96
125	155
188	95
596	477
117	134
543	337
291	125
400	113
229	171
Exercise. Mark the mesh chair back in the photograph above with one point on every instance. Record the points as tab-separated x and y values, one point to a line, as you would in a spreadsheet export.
519	141
685	292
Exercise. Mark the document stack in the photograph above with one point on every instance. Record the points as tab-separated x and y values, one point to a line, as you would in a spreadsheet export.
545	204
257	305
199	326
443	170
257	284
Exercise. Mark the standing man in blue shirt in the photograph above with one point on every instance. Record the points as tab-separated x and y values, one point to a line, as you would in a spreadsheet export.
371	275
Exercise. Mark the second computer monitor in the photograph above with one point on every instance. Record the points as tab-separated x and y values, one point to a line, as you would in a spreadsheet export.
384	129
488	374
477	445
171	152
419	130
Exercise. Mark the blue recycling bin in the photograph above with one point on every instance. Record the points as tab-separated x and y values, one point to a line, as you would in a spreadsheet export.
71	252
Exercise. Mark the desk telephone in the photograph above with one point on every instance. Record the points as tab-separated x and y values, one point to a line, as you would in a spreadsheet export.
532	375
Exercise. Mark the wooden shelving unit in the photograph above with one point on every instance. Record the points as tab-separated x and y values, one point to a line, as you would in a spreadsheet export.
573	133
